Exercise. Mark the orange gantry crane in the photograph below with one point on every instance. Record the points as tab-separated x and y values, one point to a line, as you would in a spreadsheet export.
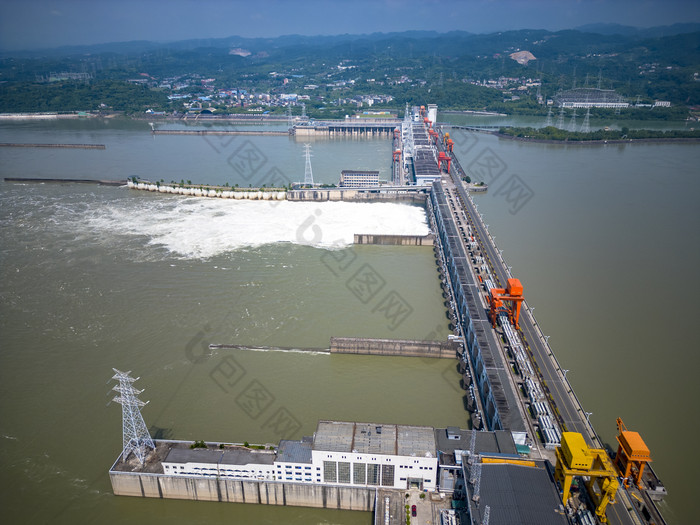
444	158
632	453
506	300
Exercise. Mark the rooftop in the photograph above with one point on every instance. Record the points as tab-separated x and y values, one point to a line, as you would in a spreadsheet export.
518	495
374	438
291	451
496	442
228	456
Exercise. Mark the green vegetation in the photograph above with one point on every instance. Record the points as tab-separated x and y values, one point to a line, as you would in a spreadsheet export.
106	95
556	134
333	74
198	444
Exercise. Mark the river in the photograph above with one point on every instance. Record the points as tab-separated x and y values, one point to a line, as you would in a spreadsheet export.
100	277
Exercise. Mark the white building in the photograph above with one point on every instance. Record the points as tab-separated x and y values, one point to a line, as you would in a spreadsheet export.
340	453
231	462
358	179
294	463
375	455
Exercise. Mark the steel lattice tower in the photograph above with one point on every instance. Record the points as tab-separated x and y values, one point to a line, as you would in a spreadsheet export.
586	127
548	123
572	126
308	173
290	118
136	437
560	120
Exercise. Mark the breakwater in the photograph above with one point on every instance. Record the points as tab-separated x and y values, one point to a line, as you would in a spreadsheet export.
394	240
357	195
67	181
216	132
39	145
394	347
209	191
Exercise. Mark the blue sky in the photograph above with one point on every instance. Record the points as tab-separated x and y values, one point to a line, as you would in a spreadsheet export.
31	24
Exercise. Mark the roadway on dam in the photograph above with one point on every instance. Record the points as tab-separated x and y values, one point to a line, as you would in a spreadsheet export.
567	405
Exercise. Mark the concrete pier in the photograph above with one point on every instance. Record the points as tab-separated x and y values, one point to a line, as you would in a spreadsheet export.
36	145
67	181
394	240
395	347
358	195
217	132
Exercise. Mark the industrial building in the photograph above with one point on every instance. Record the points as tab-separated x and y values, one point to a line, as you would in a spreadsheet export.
358	179
590	98
368	454
343	453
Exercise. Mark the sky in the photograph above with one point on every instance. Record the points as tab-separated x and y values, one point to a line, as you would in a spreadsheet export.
35	24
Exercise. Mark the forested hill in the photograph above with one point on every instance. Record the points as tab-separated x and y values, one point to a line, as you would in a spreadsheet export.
445	67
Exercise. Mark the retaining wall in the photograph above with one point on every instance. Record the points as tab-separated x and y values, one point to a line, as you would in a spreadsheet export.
399	347
237	491
394	240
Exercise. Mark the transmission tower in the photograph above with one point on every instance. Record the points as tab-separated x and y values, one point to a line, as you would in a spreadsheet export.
549	118
572	126
303	111
308	173
475	480
487	515
560	119
472	447
586	127
290	118
136	438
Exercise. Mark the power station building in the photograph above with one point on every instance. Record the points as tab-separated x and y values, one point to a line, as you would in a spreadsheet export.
340	453
358	179
590	98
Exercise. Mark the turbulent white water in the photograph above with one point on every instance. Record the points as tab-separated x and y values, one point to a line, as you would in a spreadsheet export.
202	228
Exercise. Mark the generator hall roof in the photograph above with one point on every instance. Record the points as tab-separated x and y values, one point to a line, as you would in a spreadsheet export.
375	438
229	456
518	494
294	451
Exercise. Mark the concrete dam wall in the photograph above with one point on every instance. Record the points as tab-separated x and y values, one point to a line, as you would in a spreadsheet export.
394	240
353	195
236	491
398	347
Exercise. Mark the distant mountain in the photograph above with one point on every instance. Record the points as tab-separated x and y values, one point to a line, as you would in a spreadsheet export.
649	32
404	43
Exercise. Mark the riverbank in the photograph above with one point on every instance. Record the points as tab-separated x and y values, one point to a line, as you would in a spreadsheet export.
595	142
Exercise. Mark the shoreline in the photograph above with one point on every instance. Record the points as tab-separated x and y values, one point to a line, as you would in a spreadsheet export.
603	142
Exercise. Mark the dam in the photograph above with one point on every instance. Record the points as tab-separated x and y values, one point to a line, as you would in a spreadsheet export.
517	394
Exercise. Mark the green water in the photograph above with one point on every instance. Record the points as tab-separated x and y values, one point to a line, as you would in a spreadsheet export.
100	277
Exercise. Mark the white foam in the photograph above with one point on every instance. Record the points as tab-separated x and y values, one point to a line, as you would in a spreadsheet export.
202	228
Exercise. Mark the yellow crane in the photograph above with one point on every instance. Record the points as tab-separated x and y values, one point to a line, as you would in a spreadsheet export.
575	458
